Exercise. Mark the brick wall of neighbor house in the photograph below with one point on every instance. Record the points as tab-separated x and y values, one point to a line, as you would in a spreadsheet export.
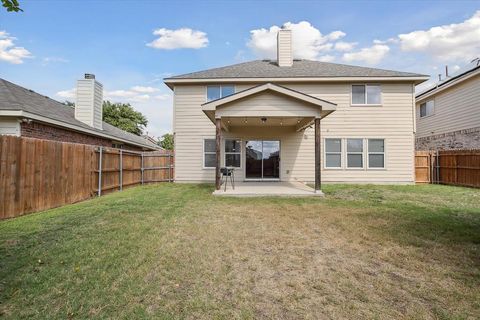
461	139
43	131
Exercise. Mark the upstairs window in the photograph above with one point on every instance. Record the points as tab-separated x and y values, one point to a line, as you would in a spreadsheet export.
426	109
366	94
217	92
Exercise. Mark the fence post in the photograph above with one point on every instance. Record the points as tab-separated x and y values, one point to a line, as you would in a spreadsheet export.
141	169
456	168
169	167
100	172
121	170
437	163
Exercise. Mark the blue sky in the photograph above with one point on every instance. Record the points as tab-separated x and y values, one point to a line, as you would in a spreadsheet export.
52	43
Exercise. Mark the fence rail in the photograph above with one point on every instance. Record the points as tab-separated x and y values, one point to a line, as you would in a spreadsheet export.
452	167
36	174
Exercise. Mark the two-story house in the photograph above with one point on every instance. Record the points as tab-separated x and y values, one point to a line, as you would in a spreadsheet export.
295	120
448	113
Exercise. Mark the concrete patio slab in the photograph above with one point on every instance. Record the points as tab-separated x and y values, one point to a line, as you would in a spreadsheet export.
268	189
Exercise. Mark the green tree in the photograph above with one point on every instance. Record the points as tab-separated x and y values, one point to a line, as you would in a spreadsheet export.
11	5
123	116
166	141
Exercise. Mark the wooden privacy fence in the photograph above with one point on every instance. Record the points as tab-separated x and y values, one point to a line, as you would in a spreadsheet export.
453	167
118	168
38	174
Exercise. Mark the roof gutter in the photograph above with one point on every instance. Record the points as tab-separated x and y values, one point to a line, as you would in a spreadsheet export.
20	113
170	82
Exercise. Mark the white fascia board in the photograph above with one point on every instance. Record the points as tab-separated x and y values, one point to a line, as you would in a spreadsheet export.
172	81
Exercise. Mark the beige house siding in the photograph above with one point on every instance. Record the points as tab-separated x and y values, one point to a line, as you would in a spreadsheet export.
268	103
393	121
456	108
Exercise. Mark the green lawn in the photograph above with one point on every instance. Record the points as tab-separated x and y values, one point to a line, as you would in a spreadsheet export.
175	251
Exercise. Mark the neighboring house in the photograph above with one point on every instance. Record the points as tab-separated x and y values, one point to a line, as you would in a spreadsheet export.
448	114
26	113
264	119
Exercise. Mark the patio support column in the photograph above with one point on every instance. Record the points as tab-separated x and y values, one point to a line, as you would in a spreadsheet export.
218	125
318	145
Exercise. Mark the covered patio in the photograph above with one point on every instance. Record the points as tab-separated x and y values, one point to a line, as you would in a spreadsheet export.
274	111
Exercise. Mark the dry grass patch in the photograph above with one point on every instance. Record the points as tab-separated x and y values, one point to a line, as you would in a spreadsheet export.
174	251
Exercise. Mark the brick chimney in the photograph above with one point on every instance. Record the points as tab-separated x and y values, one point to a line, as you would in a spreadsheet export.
284	48
88	106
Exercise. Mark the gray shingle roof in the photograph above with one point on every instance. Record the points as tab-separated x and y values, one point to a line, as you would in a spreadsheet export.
14	97
300	69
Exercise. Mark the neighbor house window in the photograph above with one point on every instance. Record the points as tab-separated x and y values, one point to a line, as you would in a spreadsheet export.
376	153
232	153
333	153
209	153
426	109
354	153
217	92
366	94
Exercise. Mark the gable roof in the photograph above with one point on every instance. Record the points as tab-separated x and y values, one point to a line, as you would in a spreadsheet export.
210	107
31	104
299	69
463	74
324	104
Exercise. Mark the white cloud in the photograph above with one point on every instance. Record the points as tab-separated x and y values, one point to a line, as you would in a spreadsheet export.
457	41
371	55
308	41
326	58
67	94
345	46
142	89
119	94
389	40
164	96
48	60
179	39
335	35
11	53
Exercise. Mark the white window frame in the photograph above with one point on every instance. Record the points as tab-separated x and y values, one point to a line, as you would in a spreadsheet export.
375	152
420	109
205	152
325	154
362	153
366	97
219	85
225	152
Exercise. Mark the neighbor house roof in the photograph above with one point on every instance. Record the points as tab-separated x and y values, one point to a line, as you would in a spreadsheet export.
18	101
465	73
300	69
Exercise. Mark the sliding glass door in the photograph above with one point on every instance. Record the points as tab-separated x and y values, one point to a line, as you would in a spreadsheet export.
262	160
